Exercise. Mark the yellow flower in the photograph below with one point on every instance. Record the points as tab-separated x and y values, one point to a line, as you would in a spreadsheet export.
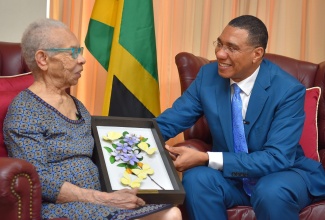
112	135
142	173
145	147
126	180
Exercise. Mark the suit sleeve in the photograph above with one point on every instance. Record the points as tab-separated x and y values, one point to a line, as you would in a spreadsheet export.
185	111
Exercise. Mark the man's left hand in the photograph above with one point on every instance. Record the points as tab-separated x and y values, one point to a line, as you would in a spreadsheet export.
185	158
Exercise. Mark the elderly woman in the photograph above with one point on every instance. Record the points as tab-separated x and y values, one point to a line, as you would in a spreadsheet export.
51	129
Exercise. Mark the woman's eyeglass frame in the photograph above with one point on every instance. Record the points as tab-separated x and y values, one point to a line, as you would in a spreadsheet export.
75	51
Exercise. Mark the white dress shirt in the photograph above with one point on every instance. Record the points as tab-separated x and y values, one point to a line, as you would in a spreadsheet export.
246	86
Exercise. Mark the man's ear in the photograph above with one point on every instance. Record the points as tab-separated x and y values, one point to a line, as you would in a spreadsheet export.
41	59
258	54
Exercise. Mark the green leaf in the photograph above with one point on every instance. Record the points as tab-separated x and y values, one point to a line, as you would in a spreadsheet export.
144	139
109	150
114	146
125	133
140	159
122	165
132	167
112	159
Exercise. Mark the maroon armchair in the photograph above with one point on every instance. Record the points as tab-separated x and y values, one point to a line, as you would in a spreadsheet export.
199	136
20	189
11	60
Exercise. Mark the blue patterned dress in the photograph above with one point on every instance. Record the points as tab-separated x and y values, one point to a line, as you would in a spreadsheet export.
61	150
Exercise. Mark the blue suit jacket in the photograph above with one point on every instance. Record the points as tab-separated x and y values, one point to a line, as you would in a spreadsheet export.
275	114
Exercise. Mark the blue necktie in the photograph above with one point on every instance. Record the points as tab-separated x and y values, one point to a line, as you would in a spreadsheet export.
240	144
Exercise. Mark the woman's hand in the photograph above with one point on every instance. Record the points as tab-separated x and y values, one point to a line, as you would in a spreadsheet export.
124	199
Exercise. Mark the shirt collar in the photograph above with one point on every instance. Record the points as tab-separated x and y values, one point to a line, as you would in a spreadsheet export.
247	84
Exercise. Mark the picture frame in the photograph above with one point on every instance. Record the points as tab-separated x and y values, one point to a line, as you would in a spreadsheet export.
163	186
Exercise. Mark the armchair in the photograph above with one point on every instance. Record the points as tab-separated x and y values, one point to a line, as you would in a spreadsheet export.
11	60
20	188
199	136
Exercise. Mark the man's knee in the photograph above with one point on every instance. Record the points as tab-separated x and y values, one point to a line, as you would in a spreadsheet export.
276	192
201	175
267	193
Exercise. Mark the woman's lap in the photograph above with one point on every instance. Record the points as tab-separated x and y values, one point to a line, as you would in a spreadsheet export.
80	210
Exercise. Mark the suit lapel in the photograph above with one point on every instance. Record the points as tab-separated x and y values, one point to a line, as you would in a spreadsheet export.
224	105
258	97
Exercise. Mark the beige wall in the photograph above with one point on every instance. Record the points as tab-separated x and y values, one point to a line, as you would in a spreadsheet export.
15	15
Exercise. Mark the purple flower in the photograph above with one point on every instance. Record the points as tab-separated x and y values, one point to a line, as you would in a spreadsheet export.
131	139
130	158
123	147
118	155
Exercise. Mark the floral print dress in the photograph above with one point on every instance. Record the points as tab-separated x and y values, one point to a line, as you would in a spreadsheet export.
61	150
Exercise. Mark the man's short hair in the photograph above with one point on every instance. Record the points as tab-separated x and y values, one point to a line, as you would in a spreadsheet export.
257	31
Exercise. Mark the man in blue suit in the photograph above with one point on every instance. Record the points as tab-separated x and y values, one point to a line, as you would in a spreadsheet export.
282	179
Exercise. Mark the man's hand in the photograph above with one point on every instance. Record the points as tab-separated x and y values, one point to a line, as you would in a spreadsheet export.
185	158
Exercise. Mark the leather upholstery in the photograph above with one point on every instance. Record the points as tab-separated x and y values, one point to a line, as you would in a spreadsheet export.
11	60
20	190
199	137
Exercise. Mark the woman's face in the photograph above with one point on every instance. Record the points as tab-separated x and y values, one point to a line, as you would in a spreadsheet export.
65	67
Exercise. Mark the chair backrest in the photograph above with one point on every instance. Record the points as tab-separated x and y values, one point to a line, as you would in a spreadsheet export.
10	86
309	74
12	80
11	60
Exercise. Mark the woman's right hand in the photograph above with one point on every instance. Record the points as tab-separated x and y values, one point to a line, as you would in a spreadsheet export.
124	199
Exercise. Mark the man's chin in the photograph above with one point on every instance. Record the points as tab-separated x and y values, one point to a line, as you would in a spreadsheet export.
224	74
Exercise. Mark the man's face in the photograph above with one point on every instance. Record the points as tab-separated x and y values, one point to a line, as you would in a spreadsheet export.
236	58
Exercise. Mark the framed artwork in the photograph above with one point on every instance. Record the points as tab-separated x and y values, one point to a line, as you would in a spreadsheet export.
130	153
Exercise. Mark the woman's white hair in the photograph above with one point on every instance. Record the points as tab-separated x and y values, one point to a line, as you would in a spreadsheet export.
38	36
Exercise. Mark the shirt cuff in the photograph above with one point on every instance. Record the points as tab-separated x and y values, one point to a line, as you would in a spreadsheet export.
215	160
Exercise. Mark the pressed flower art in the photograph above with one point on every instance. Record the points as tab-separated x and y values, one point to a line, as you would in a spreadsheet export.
128	152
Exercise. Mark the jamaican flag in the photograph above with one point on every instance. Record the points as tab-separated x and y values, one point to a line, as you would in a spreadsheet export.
121	36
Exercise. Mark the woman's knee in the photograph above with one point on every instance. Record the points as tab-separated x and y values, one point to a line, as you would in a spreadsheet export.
173	213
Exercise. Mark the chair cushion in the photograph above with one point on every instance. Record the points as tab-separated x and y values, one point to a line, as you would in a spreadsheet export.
309	137
9	88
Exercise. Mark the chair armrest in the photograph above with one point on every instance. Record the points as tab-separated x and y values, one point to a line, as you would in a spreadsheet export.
20	190
196	144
